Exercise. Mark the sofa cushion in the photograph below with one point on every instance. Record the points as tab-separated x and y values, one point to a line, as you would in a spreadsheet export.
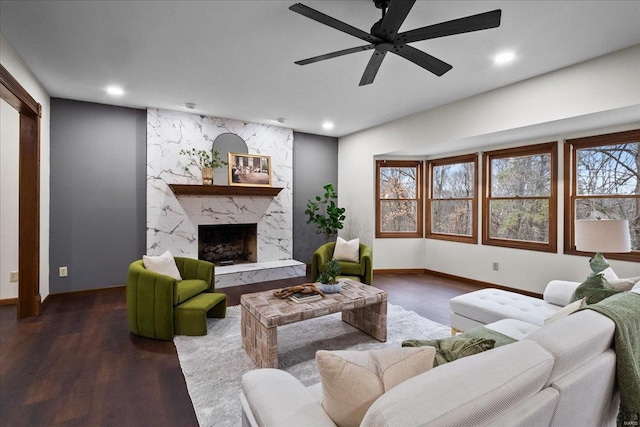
594	289
347	251
516	329
349	268
162	264
565	311
186	289
574	339
490	305
560	292
353	380
277	398
470	391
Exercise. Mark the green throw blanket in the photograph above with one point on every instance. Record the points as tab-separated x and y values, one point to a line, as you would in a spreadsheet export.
472	342
624	310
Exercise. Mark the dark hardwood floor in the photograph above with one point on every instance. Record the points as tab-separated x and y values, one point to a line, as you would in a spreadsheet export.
78	364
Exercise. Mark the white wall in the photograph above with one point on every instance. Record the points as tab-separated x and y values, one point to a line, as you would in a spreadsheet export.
9	143
19	70
593	97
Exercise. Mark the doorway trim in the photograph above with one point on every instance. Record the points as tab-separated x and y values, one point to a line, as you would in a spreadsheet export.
28	303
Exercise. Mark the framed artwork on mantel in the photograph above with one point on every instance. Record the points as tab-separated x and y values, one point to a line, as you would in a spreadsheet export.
249	170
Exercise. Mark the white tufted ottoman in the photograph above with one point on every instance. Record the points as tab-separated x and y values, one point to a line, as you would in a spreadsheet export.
486	306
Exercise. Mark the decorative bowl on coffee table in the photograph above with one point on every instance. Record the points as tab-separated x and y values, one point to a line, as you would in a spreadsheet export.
329	289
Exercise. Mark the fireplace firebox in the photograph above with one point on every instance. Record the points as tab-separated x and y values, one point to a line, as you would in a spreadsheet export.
228	244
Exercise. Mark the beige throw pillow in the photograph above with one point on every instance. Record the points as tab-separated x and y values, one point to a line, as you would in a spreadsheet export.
567	310
347	251
162	264
353	380
623	285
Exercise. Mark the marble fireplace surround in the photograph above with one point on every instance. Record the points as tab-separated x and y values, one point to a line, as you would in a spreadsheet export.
172	221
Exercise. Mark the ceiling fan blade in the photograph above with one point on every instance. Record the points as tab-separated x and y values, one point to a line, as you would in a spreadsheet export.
481	21
372	68
334	54
333	23
393	19
424	60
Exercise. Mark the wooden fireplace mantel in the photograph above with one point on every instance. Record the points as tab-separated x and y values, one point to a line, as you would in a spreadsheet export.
223	190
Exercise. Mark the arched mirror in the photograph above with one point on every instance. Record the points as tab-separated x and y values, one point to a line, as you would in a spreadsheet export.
227	143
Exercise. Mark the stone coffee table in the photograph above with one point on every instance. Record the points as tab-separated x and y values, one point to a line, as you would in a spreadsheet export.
362	306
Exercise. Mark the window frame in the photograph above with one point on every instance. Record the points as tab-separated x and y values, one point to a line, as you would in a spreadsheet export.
430	164
570	187
419	233
550	148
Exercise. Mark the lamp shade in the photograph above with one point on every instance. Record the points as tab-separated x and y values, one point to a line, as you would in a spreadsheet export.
603	235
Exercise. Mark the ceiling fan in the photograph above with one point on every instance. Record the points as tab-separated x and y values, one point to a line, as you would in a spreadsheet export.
384	36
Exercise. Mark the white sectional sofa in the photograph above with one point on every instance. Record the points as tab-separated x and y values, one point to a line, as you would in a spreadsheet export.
490	305
561	374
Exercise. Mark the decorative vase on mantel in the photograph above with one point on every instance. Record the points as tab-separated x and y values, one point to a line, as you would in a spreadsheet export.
207	176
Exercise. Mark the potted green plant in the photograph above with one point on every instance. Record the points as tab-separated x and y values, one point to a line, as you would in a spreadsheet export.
325	214
203	160
328	278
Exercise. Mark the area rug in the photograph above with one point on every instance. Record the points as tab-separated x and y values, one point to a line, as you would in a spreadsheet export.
213	365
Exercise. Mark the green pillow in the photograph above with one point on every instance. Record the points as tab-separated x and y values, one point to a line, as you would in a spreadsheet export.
450	349
594	289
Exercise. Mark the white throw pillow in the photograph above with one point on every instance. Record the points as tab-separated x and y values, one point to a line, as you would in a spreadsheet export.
347	251
623	285
609	274
567	310
353	380
162	264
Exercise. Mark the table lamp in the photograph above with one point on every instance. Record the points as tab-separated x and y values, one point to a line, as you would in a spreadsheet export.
602	235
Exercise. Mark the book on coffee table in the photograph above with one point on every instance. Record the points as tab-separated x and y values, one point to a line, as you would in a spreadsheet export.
300	297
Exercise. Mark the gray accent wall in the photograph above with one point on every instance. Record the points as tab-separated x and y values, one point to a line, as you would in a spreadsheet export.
315	163
98	193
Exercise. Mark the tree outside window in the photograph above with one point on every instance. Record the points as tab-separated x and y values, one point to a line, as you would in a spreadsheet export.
603	181
452	203
519	209
399	198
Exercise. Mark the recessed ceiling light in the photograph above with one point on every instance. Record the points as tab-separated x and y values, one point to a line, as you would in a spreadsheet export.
327	126
115	91
504	58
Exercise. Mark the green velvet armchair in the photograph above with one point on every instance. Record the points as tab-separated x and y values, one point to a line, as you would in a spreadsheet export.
361	271
159	306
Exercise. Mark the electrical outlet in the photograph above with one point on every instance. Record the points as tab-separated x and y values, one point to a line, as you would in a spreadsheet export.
13	276
496	266
62	272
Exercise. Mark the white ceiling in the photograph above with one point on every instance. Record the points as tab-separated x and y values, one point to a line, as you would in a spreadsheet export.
235	59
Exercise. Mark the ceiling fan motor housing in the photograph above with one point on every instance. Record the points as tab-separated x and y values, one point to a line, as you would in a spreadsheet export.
381	4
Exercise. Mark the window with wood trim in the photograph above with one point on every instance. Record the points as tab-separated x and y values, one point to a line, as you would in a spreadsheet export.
520	202
602	179
399	198
452	203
